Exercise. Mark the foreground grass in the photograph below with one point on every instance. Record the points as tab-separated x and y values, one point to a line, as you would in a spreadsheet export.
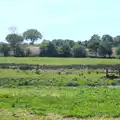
82	102
58	61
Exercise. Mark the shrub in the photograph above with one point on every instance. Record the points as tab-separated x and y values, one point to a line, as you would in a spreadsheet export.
72	83
79	51
59	73
37	72
25	67
89	72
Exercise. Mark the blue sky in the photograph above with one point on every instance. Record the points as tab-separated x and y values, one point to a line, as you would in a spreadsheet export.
66	19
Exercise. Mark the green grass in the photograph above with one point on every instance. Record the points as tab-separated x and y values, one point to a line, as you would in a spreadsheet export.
62	77
70	102
48	95
58	61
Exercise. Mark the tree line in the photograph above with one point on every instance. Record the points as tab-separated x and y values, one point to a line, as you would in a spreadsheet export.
99	46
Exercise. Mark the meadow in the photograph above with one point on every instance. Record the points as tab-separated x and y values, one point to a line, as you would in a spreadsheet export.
59	61
58	94
59	103
59	78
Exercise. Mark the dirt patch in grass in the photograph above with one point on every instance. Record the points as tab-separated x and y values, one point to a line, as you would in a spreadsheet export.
25	115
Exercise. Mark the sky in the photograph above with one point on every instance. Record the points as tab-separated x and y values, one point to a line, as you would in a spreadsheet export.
61	19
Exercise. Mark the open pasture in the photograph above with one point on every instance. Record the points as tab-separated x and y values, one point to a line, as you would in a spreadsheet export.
81	102
59	61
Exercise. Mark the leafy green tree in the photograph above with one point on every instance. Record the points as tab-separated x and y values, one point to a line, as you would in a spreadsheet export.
70	42
117	40
58	42
32	35
107	38
61	42
83	43
63	47
102	51
109	49
14	40
105	49
107	42
48	49
59	52
118	51
79	42
79	51
5	49
93	43
66	50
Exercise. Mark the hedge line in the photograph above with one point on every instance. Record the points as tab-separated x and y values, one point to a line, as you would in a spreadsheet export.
75	66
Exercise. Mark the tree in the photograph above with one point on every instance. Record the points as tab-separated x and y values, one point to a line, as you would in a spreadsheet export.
117	40
61	42
58	42
102	51
109	49
105	49
83	43
65	50
47	49
118	51
60	52
78	51
70	42
14	40
107	38
32	35
94	43
5	49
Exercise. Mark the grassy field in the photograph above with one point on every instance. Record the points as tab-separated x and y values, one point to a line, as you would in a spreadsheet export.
62	77
82	102
58	61
62	94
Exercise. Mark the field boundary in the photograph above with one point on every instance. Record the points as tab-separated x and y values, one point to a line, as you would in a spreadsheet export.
73	66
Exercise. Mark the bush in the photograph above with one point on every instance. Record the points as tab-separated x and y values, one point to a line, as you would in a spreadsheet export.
59	73
37	72
72	83
25	67
79	51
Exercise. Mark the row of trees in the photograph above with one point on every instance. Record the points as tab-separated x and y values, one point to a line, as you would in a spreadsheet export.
62	48
97	45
